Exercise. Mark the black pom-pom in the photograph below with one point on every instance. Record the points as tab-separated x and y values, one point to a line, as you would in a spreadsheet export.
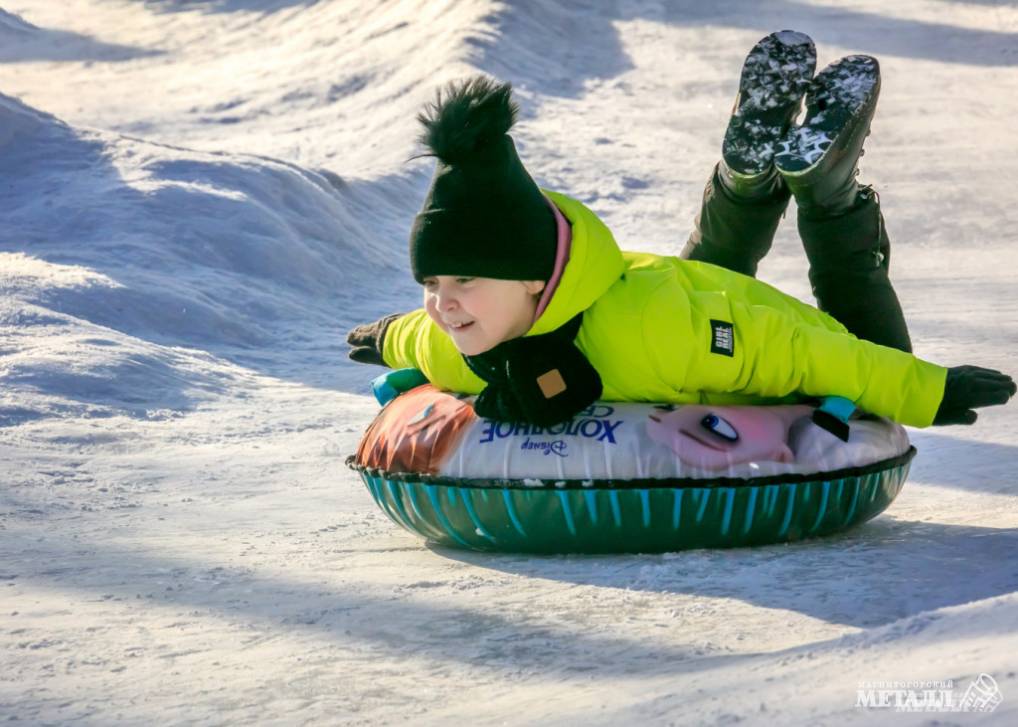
473	113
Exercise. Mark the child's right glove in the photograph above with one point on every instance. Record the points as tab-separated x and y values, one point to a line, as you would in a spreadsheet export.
968	387
368	341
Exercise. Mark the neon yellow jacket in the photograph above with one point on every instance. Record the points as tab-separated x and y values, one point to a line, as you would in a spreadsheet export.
662	329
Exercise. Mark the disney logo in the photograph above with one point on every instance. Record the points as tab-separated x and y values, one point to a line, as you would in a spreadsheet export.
557	447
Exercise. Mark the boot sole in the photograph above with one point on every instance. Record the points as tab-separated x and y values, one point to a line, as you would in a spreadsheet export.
775	75
839	96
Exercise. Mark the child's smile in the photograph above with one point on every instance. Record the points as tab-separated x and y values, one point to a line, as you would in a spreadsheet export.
480	313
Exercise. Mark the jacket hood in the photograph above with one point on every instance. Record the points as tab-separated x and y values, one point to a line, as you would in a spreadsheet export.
595	264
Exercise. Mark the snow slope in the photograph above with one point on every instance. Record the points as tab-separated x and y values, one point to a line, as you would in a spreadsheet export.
200	197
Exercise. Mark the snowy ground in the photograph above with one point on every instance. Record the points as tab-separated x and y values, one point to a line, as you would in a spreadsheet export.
199	198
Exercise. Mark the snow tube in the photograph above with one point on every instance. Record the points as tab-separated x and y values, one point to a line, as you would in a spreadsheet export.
625	477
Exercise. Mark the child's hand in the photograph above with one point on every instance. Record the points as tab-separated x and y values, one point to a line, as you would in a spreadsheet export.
367	341
968	387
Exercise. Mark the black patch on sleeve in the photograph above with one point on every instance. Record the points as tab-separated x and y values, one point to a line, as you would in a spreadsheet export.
722	338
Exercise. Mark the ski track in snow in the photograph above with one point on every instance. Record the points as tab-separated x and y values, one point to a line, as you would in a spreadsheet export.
200	198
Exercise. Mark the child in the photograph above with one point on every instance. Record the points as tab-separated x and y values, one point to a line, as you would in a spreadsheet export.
529	302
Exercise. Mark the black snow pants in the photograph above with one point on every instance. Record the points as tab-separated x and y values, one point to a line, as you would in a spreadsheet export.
848	256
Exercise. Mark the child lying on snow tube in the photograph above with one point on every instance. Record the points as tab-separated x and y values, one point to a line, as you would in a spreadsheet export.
530	303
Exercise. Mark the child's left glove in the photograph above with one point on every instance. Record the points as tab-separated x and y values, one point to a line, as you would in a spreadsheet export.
368	341
968	387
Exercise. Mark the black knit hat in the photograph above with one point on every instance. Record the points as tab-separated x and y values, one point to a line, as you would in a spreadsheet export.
484	215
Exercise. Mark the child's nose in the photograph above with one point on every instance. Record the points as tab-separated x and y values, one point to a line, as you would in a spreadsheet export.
446	302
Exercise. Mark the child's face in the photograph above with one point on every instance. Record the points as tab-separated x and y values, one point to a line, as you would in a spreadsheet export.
480	313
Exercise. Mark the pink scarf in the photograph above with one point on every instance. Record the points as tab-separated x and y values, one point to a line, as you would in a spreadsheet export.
565	237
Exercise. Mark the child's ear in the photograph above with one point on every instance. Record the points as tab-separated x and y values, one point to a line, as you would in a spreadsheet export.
534	286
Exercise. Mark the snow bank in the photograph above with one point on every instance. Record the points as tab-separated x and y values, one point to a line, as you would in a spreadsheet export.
148	248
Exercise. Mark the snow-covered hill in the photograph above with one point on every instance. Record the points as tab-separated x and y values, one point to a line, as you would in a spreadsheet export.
144	257
198	198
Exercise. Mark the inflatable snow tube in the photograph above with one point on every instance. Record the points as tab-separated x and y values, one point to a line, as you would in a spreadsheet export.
624	477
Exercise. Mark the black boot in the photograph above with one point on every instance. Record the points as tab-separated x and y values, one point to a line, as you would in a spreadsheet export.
819	159
849	258
745	197
731	232
775	75
840	222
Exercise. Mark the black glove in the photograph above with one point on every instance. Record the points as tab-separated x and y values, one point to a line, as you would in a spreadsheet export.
366	341
540	380
968	387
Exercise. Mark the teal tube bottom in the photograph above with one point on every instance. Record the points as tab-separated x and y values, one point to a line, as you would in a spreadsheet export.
642	519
